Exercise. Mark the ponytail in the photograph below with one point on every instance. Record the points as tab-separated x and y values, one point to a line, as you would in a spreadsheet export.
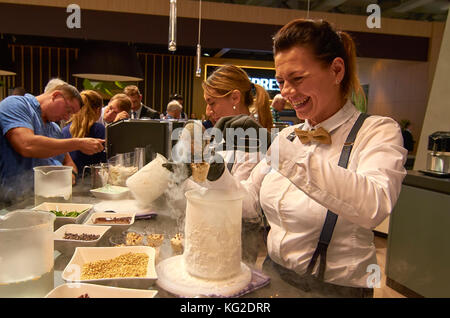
262	106
350	83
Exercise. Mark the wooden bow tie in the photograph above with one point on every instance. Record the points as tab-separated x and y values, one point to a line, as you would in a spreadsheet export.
319	135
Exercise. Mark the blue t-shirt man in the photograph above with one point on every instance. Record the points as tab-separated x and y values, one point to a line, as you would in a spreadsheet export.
16	171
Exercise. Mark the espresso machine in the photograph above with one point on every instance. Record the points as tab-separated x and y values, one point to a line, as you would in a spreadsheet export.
156	136
438	157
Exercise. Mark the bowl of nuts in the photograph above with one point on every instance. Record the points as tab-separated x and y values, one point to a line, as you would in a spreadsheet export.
126	266
70	236
131	238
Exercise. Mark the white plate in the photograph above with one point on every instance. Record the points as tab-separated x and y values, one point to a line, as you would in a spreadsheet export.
126	205
83	255
61	220
75	290
114	227
111	192
66	246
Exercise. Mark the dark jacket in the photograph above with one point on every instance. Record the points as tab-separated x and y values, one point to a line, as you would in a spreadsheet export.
147	112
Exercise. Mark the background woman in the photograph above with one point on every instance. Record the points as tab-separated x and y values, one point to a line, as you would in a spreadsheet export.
228	91
84	124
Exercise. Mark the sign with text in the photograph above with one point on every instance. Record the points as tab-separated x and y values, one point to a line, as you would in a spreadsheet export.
264	76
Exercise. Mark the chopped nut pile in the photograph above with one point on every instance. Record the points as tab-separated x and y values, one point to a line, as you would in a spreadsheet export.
177	243
133	238
125	265
155	240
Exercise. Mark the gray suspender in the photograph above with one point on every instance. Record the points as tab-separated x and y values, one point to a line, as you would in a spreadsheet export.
330	220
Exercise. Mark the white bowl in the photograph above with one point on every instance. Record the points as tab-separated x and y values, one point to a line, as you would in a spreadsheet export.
114	227
111	192
61	220
66	246
75	290
83	255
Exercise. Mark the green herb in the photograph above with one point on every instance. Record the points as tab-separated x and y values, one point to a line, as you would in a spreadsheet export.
72	214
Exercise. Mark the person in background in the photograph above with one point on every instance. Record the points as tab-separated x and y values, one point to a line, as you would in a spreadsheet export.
408	140
28	136
84	124
300	184
118	108
277	106
179	98
228	91
52	84
19	91
174	110
207	120
139	110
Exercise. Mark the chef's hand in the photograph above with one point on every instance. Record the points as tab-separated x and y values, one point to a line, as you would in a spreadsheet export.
245	122
216	167
184	170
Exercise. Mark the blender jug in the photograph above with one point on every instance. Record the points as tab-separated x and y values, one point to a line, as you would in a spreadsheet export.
52	184
220	212
26	254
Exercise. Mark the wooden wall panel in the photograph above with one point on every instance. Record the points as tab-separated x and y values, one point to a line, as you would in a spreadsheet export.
164	74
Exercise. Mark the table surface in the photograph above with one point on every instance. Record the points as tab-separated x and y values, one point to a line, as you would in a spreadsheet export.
253	247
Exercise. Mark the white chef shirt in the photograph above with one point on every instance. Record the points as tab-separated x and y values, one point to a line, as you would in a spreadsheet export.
309	181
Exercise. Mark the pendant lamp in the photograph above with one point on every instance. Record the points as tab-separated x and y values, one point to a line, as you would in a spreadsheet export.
6	63
105	61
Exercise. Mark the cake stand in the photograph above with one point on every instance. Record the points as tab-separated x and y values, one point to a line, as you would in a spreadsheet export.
174	278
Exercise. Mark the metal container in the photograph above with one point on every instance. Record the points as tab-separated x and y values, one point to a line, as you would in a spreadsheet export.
99	175
26	254
438	158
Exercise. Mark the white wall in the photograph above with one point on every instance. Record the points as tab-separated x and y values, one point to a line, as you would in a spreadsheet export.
437	116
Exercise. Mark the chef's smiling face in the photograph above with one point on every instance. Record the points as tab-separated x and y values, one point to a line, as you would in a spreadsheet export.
309	85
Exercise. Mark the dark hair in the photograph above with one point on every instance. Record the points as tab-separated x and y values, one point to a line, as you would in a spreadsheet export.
175	97
18	90
326	45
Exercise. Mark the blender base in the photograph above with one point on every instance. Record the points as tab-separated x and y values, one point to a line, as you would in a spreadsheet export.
173	277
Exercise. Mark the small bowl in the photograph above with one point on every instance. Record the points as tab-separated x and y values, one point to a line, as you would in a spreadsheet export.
67	246
111	192
81	290
115	228
61	220
83	255
120	239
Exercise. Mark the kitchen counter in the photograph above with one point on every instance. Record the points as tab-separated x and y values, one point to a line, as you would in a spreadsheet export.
418	257
420	180
254	250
